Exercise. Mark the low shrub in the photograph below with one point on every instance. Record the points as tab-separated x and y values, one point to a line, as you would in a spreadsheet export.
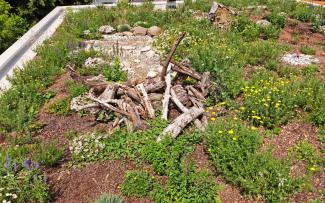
137	184
233	149
276	19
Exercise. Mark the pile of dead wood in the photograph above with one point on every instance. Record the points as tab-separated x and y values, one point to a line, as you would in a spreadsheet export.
134	103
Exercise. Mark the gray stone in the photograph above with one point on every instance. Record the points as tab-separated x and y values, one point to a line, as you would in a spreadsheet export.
140	31
299	59
154	31
106	29
263	23
91	62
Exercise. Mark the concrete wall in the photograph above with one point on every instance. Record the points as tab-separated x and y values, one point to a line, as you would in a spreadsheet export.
23	49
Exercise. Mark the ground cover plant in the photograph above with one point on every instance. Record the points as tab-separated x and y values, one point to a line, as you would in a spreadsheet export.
255	100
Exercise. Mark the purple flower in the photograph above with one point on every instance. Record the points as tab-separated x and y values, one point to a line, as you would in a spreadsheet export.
7	163
27	164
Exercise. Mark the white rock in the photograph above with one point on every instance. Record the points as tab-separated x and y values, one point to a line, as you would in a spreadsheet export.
263	23
152	74
128	47
299	59
154	31
106	29
145	49
91	62
86	32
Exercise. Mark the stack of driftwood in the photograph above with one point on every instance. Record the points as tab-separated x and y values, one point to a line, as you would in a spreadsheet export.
135	103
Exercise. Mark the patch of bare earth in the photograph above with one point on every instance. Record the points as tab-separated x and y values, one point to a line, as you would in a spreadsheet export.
299	35
87	184
290	135
227	192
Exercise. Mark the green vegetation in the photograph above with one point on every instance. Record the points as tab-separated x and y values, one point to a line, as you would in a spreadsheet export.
137	184
105	198
233	148
11	26
308	50
270	97
48	154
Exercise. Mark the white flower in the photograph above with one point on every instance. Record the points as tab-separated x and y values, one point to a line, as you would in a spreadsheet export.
14	196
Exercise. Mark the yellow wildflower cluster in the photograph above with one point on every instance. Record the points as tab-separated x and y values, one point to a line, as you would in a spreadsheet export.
264	101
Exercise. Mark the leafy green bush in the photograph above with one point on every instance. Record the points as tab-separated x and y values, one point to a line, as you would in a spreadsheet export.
268	101
137	184
304	13
48	154
106	198
233	149
276	19
76	89
113	72
11	26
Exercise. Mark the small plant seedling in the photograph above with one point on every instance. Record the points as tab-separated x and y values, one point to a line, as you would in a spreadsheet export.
308	50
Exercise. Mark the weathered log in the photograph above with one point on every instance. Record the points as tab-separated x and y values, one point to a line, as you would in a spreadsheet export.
129	91
195	92
165	63
155	96
138	123
205	83
108	106
179	104
166	98
109	93
214	8
146	100
154	85
186	70
175	128
182	94
81	79
213	11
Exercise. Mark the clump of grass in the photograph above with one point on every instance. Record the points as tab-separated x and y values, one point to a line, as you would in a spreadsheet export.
48	154
307	50
60	107
106	198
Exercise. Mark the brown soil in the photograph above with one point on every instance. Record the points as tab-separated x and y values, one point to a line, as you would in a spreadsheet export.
88	183
290	135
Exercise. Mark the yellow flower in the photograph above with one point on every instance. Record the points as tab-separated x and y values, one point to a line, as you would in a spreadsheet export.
210	108
242	108
234	138
253	128
220	131
231	131
213	112
213	119
312	168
